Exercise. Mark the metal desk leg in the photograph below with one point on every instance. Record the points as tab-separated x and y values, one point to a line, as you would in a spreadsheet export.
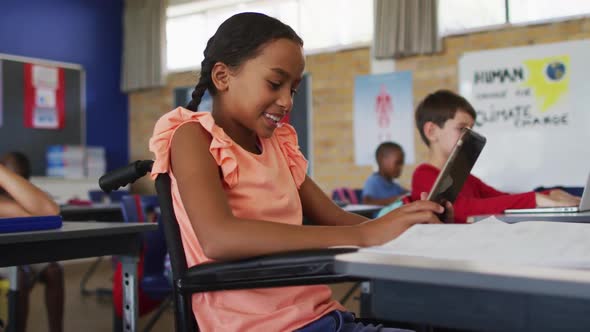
12	299
130	304
366	308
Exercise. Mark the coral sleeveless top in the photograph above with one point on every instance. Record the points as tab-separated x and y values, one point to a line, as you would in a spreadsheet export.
258	186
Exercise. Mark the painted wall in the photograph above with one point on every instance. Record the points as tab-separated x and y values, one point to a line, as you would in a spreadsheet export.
86	32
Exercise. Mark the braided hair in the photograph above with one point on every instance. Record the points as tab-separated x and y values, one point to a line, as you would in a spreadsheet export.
236	40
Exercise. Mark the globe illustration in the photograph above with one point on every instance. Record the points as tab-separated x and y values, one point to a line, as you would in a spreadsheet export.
555	71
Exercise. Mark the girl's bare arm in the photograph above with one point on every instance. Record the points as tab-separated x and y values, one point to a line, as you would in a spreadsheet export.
224	236
25	198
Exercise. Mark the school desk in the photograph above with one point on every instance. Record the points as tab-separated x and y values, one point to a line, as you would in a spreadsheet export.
470	295
94	212
106	212
79	240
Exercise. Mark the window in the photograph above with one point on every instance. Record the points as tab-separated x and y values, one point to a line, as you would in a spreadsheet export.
185	44
457	16
335	23
343	23
523	11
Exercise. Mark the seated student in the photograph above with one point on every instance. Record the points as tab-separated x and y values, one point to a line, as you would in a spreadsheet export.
20	198
440	117
239	183
381	188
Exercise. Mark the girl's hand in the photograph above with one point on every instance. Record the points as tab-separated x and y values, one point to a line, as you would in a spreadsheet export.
393	224
556	199
449	214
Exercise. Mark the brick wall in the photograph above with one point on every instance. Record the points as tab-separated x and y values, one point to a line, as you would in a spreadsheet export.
333	88
145	107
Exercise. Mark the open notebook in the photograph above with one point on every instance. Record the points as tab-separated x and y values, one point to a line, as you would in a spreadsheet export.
548	244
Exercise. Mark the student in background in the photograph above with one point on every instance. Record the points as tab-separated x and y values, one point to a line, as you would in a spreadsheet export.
242	164
381	188
440	117
20	198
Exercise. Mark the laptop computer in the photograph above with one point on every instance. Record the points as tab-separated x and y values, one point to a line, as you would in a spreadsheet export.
584	205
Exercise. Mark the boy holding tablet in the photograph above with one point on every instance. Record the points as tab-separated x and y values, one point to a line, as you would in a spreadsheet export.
440	117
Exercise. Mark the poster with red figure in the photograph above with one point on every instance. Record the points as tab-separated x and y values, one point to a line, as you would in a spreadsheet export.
44	97
383	111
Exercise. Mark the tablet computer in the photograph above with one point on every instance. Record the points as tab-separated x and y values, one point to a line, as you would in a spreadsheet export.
450	180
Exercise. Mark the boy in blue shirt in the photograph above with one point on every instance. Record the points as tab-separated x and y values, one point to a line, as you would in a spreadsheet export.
380	188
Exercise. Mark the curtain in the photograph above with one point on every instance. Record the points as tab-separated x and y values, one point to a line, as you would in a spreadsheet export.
144	44
405	27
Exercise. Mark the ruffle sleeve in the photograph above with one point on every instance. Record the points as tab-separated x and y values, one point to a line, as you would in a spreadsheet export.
219	148
287	138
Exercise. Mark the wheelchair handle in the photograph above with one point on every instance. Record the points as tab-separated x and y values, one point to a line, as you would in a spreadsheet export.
124	175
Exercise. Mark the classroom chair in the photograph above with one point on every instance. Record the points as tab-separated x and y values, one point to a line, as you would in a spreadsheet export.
96	197
344	196
303	267
99	196
117	195
154	289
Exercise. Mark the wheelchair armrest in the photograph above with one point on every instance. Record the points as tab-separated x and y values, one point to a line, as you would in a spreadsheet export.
284	269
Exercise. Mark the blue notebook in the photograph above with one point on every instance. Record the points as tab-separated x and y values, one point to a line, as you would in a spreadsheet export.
26	224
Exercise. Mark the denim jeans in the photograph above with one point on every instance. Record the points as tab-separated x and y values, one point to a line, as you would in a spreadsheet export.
343	321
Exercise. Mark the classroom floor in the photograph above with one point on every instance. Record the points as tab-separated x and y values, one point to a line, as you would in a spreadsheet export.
92	314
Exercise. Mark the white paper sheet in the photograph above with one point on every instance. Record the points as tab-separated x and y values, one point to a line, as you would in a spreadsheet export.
525	243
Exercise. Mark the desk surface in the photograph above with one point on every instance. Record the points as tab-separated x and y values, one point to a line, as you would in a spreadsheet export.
467	274
71	229
73	240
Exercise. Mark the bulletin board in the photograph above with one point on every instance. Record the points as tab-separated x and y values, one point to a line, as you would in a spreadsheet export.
33	142
532	105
